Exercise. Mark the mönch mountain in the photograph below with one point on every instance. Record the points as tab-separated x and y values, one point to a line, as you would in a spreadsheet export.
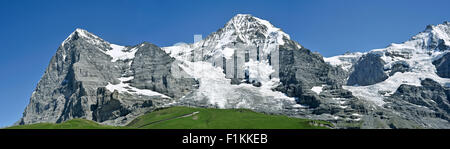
251	64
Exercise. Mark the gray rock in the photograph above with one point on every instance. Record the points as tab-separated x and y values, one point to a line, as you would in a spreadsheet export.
443	66
367	71
108	106
300	70
436	42
152	69
399	67
425	106
73	85
68	86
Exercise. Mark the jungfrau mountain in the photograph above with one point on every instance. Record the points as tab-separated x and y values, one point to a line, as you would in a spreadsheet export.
248	63
410	80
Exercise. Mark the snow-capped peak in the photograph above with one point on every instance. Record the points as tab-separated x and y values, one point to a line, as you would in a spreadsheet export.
82	33
213	60
247	26
247	21
240	31
433	41
85	35
435	37
246	29
418	54
441	32
116	52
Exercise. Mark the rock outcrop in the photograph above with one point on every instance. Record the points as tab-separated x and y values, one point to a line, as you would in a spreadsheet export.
155	70
300	70
367	71
427	104
443	66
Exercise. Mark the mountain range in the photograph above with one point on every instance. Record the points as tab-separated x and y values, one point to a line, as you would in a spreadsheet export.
251	64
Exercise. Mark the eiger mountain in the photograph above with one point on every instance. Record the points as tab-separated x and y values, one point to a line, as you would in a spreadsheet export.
249	63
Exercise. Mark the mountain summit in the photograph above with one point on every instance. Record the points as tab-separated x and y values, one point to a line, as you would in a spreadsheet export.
399	76
249	29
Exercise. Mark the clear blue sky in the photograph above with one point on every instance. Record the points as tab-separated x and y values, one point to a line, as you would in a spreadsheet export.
31	31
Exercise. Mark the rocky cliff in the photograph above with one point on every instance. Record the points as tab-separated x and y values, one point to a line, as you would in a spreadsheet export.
442	66
92	79
367	71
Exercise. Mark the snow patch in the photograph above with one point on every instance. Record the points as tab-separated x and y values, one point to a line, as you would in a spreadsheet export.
90	38
345	61
356	114
219	90
317	89
213	83
227	52
126	88
118	52
179	51
259	71
273	32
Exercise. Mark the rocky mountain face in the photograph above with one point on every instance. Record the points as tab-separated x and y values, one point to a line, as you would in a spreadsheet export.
368	70
442	66
408	82
93	79
248	63
268	72
428	105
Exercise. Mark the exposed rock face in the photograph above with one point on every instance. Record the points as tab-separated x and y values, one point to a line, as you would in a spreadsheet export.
300	70
399	67
443	66
108	106
73	86
69	84
429	94
439	40
155	70
367	71
428	104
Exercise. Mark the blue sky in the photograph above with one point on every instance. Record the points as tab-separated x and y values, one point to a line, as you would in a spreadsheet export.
31	31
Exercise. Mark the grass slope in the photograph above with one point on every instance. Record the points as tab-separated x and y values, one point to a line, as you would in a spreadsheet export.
195	118
70	124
